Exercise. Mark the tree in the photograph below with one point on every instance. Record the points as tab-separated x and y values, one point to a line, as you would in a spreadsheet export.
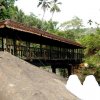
55	7
32	20
73	28
45	4
20	16
6	9
69	34
92	51
74	23
52	26
1	5
90	22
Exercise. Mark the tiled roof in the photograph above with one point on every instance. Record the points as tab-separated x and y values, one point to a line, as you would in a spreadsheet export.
21	27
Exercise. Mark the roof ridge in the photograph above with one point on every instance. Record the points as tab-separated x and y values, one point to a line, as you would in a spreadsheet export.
21	26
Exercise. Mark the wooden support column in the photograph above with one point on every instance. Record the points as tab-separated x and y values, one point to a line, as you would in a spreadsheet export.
73	58
77	55
53	68
28	50
50	55
2	44
82	54
69	70
41	50
60	53
67	54
15	49
79	51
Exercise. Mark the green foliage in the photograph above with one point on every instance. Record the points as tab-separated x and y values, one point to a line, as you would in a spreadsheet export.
75	23
86	71
92	43
73	28
97	74
54	7
6	9
63	72
69	34
32	20
93	60
45	4
52	26
92	51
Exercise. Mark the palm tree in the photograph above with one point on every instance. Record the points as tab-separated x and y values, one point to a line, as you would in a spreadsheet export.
55	7
20	16
45	4
90	22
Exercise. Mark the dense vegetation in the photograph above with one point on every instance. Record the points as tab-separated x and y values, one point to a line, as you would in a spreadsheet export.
72	29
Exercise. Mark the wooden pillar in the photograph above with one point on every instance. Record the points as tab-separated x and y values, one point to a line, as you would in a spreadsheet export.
2	44
41	50
77	56
82	55
28	50
67	54
72	68
69	70
79	51
15	49
60	53
73	56
53	68
50	55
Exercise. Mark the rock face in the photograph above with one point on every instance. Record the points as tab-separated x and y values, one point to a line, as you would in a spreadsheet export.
20	80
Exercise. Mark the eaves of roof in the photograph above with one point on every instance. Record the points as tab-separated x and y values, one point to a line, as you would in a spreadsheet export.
21	27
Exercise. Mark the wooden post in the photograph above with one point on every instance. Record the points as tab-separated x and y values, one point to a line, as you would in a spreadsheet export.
41	50
73	55
67	54
81	53
60	53
53	68
28	50
15	49
77	57
69	70
2	44
50	55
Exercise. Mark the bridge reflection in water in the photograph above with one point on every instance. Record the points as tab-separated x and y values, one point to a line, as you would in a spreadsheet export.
39	47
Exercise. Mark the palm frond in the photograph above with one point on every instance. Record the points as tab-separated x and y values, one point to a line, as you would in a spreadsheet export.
39	4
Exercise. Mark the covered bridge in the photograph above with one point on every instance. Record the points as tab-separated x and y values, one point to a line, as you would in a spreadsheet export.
39	47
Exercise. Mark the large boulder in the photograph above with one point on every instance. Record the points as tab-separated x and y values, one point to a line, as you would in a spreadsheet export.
20	80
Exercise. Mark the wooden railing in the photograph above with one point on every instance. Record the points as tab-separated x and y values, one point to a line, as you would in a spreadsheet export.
44	53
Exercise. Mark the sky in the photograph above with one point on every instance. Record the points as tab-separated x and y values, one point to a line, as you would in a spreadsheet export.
84	9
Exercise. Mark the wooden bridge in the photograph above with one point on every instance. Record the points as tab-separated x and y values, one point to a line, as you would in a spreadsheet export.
39	47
